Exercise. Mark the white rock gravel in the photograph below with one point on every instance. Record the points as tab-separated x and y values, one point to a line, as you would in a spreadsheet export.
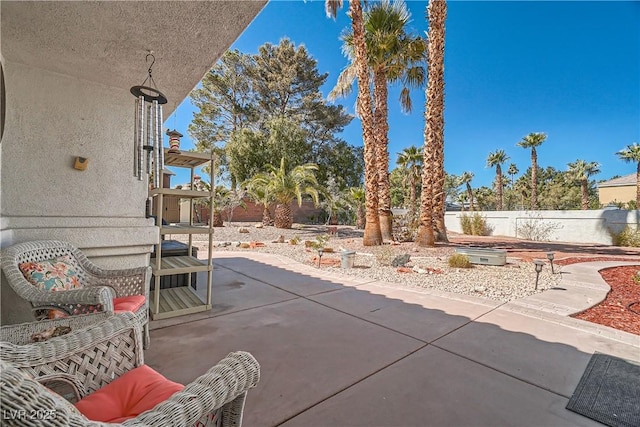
505	283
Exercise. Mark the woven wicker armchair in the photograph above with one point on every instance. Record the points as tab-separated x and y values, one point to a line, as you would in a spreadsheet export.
93	356
97	286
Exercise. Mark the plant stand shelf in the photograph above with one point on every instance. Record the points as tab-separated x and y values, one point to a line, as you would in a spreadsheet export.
178	302
177	260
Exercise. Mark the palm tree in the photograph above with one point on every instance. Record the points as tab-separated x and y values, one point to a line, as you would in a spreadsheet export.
283	187
432	198
581	171
256	188
532	141
496	159
631	153
357	198
393	56
410	160
466	179
372	235
513	170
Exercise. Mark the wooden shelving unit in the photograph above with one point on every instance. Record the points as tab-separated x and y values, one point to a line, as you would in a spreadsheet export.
182	300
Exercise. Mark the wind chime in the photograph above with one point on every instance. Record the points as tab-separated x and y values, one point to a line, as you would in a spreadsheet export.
148	153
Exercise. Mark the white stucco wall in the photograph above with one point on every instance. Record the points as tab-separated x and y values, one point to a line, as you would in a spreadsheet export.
51	119
590	226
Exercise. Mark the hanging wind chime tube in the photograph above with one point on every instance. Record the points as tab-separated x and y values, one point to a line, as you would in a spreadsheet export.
148	151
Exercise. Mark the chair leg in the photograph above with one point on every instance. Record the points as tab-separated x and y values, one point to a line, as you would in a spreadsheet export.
146	340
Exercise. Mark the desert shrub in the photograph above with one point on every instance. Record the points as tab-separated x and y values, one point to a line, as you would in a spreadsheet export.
459	261
630	236
636	278
534	227
474	224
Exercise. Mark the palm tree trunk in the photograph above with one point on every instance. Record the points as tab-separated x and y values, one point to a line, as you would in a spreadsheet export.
380	120
266	216
372	235
584	186
534	179
283	216
499	184
437	18
470	194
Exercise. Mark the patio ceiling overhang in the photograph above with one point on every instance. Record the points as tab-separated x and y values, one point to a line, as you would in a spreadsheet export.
106	41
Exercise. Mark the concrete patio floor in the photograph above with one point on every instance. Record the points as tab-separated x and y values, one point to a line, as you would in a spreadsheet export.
335	351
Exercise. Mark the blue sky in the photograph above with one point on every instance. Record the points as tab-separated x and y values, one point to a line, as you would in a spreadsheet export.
569	69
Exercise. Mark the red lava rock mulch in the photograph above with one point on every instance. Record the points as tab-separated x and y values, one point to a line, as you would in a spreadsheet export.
621	308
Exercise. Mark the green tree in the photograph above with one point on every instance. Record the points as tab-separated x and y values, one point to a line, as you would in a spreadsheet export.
631	154
283	186
225	103
394	55
496	159
372	234
532	141
465	179
410	161
257	188
581	171
357	199
432	199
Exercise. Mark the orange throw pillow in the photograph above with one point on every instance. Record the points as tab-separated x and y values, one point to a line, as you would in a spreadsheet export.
127	397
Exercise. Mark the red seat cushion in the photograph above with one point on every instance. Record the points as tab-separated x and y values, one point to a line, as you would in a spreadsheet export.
128	396
131	304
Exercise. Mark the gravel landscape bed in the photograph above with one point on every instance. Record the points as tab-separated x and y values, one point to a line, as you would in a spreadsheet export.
502	283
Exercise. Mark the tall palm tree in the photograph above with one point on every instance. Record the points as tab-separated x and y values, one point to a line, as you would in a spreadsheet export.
581	171
285	186
513	170
410	160
496	159
532	141
393	56
466	179
372	235
432	198
629	154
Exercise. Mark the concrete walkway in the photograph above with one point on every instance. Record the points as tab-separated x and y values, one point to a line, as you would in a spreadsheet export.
337	351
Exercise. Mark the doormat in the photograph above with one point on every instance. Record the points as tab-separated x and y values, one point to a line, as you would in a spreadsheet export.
608	392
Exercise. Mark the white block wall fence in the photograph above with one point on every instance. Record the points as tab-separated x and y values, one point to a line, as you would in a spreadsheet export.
574	226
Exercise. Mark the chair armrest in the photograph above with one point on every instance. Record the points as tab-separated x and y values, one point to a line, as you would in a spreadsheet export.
223	388
96	354
91	296
133	281
21	333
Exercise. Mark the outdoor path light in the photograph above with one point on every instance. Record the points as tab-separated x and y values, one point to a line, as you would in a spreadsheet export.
320	253
538	263
550	258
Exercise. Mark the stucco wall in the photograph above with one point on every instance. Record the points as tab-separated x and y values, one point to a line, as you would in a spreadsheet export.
591	226
51	119
618	194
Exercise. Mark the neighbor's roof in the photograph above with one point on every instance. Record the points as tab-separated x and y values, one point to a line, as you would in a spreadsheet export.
619	182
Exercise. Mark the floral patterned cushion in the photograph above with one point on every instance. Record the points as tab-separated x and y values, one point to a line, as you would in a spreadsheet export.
57	274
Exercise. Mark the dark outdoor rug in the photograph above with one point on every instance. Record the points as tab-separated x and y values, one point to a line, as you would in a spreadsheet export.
609	392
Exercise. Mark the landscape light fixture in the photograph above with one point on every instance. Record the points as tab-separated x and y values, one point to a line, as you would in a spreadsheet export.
320	253
550	258
148	153
538	264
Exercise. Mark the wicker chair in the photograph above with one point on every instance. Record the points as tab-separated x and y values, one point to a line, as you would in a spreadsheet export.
92	356
97	287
